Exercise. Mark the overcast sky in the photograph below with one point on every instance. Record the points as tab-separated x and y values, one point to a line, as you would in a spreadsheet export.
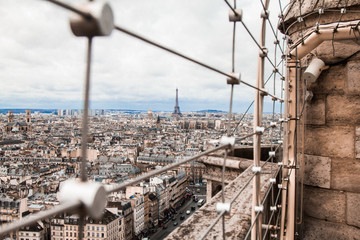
42	64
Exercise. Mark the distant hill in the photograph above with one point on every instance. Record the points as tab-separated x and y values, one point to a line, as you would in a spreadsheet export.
20	110
210	111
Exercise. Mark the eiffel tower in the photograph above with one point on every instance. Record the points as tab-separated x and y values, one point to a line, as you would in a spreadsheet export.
177	112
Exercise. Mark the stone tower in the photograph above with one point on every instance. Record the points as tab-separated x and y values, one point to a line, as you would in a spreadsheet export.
10	116
331	150
28	117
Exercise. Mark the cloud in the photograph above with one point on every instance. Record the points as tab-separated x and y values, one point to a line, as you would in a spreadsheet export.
42	63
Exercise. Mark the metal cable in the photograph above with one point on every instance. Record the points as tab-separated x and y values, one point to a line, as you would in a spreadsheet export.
251	226
252	134
212	225
164	169
260	48
26	221
244	114
232	9
73	9
258	213
272	214
137	36
270	23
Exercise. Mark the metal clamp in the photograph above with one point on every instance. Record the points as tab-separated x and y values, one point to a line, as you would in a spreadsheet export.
273	124
273	208
272	154
256	169
220	207
263	52
264	92
91	194
235	17
235	78
259	208
100	24
265	14
273	180
227	140
259	130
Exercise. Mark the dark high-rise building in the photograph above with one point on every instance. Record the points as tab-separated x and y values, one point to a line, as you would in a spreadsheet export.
177	112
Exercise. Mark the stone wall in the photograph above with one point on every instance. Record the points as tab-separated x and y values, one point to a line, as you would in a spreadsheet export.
332	130
332	147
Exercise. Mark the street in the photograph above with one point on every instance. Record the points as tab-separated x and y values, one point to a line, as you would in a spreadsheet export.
169	226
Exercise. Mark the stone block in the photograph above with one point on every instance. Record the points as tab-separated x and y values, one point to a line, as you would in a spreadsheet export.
315	229
315	111
330	81
342	109
345	174
353	77
317	171
334	141
325	204
353	209
332	52
357	142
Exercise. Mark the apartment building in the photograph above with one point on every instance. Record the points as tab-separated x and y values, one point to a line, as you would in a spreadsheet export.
67	228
